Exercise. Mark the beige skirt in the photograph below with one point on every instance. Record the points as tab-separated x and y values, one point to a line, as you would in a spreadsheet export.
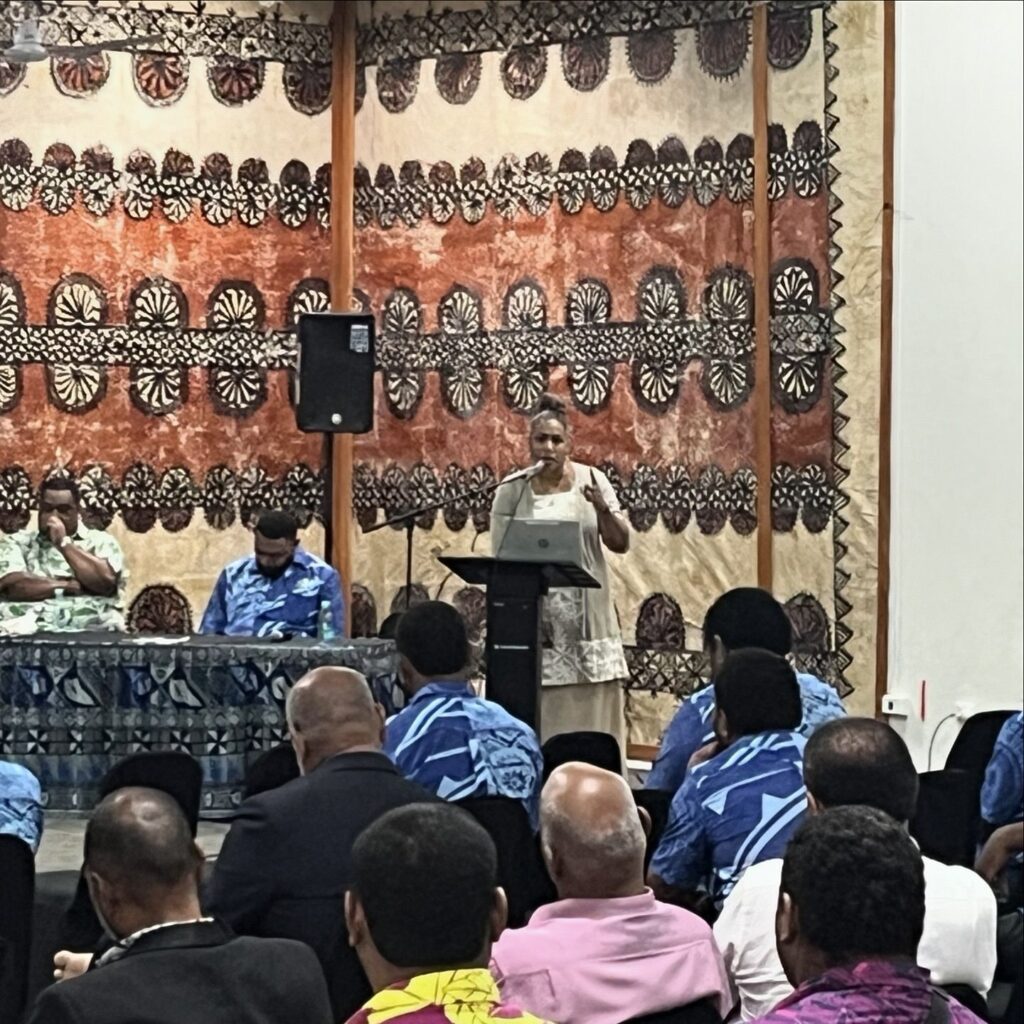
598	707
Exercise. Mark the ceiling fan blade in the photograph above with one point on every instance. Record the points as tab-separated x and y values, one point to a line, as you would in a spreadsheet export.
114	45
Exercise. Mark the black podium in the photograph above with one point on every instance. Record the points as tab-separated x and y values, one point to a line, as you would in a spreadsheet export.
514	652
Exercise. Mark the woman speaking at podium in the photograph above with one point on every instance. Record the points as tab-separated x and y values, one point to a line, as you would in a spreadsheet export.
584	666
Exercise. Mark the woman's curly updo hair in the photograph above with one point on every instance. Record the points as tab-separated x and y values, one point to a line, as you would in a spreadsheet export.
551	407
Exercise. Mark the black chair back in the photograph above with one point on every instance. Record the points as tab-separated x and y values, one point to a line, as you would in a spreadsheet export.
702	1012
271	769
945	823
969	998
600	749
174	772
521	871
975	742
656	802
17	895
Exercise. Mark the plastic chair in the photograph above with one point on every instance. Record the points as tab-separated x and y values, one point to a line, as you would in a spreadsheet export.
702	1012
969	998
600	749
17	895
656	802
947	824
174	772
271	769
521	871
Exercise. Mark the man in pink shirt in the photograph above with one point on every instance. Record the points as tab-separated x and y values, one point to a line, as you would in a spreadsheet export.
606	951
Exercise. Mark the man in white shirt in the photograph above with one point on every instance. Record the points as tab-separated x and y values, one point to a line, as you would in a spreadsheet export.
860	761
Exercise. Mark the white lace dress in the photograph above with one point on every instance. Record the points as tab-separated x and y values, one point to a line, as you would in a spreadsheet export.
584	665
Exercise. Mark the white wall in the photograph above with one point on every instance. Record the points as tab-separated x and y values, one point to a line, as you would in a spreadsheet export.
956	608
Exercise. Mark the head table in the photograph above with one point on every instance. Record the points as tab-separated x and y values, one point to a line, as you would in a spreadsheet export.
73	704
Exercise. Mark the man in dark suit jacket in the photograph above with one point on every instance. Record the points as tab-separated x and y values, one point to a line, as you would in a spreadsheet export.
169	965
286	862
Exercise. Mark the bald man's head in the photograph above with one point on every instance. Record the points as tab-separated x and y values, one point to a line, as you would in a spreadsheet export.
592	834
330	711
139	843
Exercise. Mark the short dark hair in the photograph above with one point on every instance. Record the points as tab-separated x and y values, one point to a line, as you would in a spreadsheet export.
140	840
277	525
60	482
432	635
389	627
861	761
749	617
426	875
757	690
857	880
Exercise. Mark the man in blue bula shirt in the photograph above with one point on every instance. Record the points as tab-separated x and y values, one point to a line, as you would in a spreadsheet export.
448	739
281	589
744	617
740	806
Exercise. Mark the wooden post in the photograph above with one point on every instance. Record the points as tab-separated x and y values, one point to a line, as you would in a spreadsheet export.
885	360
762	303
343	115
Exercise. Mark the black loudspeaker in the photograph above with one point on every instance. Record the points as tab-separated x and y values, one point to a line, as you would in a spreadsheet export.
334	384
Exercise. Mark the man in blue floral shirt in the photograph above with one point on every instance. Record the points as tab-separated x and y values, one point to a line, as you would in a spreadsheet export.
280	590
448	739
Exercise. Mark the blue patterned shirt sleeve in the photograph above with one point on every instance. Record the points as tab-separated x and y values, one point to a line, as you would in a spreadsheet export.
1002	795
21	804
459	745
691	727
682	858
215	618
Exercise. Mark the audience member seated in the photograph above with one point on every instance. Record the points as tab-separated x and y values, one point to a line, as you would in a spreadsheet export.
744	617
169	964
1002	847
741	805
61	574
286	862
1002	795
860	761
607	951
21	804
447	738
422	912
850	916
280	590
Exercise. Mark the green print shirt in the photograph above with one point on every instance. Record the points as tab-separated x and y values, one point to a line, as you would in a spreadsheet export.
30	551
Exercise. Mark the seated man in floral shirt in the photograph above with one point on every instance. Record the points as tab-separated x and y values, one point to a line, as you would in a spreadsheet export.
61	575
849	921
279	590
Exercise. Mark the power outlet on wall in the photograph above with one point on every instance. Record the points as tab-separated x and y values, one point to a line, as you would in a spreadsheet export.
896	707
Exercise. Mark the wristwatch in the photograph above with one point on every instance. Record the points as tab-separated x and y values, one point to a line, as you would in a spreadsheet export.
65	542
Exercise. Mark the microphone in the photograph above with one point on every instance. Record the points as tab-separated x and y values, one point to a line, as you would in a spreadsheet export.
525	474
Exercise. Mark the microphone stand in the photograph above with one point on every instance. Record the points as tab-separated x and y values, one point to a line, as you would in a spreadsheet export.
407	519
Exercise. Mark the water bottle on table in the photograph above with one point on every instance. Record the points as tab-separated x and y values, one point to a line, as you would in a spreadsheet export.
325	623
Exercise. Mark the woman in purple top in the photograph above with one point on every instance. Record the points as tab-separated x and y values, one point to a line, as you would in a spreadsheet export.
850	917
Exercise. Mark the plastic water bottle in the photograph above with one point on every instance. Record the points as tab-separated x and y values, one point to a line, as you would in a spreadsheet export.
325	622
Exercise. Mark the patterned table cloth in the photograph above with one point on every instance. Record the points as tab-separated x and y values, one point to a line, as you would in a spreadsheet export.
73	704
